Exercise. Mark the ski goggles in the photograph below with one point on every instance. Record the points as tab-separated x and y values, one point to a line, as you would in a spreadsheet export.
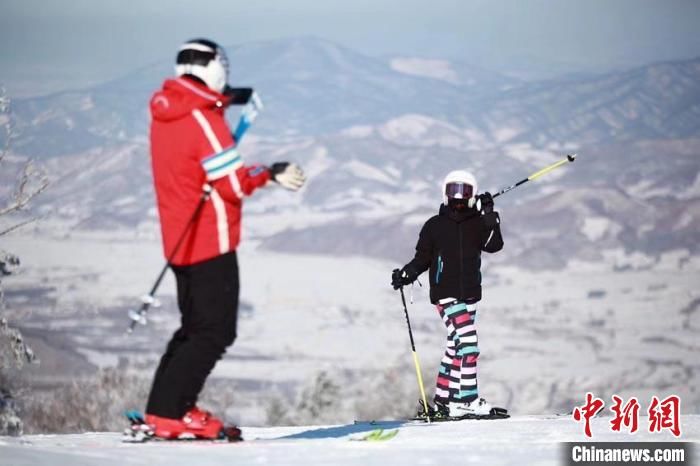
459	191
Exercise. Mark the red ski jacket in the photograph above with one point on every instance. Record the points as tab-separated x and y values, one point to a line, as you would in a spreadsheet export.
192	146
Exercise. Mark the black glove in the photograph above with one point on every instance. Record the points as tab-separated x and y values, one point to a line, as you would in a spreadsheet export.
288	175
401	278
485	203
491	220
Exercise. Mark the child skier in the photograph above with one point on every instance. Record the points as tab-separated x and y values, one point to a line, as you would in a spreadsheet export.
450	245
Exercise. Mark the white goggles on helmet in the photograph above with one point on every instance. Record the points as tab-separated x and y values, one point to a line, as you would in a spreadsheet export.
459	191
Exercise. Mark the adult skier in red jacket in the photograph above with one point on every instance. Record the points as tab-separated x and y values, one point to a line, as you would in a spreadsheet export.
193	152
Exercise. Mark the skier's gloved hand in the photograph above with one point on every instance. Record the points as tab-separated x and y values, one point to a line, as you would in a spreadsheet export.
491	220
288	175
8	263
401	278
484	203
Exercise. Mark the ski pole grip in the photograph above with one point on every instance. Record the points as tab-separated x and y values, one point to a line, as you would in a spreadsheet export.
569	158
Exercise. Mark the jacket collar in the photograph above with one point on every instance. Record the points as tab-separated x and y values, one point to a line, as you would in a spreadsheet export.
457	215
202	91
180	96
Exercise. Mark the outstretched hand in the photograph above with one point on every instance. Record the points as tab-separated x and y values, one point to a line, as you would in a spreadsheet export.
288	175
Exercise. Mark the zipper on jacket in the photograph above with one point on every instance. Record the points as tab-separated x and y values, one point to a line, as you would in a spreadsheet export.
461	262
438	273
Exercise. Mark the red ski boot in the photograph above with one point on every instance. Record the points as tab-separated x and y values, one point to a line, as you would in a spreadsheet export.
196	423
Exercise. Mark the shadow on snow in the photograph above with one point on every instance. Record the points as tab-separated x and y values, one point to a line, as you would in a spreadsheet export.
342	431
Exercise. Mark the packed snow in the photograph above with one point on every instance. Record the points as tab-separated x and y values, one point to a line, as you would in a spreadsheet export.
546	336
528	440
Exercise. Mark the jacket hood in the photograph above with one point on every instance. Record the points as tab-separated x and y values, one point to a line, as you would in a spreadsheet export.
180	96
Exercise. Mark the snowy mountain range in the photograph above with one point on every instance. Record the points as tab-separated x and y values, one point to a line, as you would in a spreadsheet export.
376	137
312	87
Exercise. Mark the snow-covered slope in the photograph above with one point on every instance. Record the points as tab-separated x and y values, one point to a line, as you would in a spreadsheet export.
546	337
534	440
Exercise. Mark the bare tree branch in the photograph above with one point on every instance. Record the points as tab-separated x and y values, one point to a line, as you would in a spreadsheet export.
26	188
31	181
18	226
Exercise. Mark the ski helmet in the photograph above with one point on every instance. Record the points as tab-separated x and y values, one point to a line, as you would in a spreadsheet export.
459	184
206	60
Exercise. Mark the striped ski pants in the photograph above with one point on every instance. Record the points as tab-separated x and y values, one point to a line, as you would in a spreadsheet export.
456	380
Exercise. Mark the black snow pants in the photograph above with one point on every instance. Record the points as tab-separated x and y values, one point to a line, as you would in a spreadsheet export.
207	295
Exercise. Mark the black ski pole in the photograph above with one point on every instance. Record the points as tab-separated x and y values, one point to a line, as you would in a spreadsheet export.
415	358
537	174
139	316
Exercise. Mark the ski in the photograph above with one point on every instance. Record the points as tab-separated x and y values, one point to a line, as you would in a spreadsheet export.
140	432
378	435
495	413
440	414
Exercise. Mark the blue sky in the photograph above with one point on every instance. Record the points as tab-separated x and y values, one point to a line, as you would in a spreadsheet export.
56	44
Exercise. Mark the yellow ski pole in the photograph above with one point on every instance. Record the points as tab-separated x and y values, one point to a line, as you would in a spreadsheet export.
415	359
537	174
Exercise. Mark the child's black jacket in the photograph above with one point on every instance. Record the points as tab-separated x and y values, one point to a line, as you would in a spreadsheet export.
450	245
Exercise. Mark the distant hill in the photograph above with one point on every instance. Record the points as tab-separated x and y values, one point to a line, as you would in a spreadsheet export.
377	136
312	87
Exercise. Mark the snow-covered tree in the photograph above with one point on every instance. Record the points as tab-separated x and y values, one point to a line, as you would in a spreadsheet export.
14	352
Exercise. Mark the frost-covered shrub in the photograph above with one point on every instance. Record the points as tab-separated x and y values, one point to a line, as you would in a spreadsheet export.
89	404
14	353
317	403
10	423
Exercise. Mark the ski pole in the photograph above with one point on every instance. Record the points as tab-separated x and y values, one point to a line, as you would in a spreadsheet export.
537	174
248	115
139	316
415	357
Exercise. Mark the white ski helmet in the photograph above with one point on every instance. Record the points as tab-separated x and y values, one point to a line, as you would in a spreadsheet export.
459	184
206	60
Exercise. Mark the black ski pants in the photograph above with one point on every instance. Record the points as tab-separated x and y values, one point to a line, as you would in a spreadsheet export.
207	295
